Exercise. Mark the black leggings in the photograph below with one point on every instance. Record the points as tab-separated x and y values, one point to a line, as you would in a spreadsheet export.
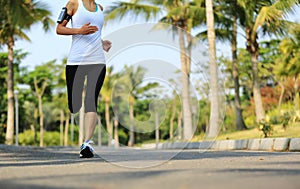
75	77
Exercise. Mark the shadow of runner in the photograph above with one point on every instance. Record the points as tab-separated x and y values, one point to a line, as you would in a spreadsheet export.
34	156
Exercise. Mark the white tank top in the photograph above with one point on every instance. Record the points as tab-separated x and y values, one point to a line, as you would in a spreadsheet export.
87	49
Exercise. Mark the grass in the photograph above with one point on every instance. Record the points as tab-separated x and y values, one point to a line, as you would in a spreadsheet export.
292	131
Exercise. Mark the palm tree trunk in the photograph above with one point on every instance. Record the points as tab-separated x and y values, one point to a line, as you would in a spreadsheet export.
239	121
108	124
186	106
253	48
35	116
156	129
280	98
214	105
172	120
10	94
259	109
131	131
179	127
189	53
41	121
116	132
296	89
39	93
61	127
66	130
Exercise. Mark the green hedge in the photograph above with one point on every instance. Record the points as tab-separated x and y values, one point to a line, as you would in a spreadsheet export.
28	138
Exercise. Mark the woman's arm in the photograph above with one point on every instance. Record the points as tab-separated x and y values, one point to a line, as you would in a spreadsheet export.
62	29
106	44
86	29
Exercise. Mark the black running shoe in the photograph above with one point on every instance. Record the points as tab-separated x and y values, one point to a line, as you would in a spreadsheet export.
87	151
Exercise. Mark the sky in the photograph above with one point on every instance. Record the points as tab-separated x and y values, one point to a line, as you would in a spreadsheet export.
45	47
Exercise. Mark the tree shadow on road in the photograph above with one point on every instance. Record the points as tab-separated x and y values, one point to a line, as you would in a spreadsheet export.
33	156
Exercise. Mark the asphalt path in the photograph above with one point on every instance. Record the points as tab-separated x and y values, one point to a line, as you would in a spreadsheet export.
57	167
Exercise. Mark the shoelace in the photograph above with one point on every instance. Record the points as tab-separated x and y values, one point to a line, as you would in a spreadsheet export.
87	144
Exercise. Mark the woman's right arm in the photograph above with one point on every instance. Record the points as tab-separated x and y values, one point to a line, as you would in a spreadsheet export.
62	29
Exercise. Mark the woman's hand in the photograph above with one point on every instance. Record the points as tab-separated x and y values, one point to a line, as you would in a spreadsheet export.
106	44
87	29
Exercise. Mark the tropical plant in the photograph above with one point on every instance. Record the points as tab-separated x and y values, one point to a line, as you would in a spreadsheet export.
18	57
41	82
227	29
263	17
129	87
60	100
288	62
106	96
16	18
214	103
182	15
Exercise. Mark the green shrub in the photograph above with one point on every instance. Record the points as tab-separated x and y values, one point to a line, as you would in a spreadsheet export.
2	135
286	119
229	121
27	138
50	138
123	137
250	121
266	127
275	120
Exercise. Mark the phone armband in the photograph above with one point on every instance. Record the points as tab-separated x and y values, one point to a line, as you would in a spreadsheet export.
64	15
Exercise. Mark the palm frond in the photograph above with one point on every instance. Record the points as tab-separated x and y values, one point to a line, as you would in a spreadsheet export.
121	9
272	18
289	48
222	35
267	15
286	6
19	16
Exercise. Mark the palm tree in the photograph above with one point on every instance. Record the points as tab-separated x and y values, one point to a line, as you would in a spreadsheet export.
16	18
41	81
214	115
289	60
60	100
226	17
183	15
128	88
134	79
39	93
263	17
239	120
234	15
18	57
106	94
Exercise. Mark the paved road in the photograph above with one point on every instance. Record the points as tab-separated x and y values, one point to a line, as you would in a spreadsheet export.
30	167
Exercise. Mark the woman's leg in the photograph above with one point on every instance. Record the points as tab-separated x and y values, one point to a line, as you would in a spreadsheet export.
95	79
75	81
90	121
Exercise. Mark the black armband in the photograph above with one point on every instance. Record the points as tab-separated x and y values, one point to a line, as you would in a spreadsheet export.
64	15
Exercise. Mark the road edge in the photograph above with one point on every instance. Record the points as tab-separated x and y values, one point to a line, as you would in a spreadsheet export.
264	144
